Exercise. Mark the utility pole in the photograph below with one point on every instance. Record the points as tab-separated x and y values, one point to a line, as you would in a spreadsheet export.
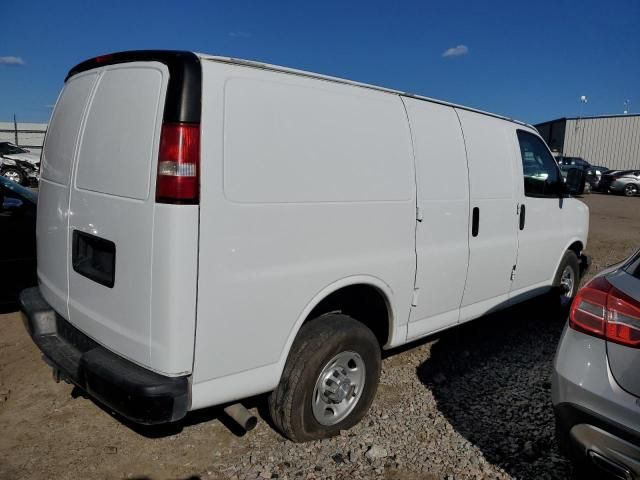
15	129
579	123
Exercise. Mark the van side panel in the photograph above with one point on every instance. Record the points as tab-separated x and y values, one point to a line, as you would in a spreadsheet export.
173	288
304	183
53	197
442	237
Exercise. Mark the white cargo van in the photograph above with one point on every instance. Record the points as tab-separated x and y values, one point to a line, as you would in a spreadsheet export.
211	229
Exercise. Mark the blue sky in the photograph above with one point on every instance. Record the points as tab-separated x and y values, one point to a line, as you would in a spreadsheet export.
528	60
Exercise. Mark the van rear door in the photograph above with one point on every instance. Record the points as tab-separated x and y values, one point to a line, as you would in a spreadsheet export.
112	207
116	260
53	197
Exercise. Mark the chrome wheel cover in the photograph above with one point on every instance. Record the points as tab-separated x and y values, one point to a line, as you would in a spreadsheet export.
338	388
567	284
11	175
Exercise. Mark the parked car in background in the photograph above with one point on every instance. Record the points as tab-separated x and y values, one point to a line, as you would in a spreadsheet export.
573	170
575	162
17	242
593	177
627	183
18	164
609	177
596	377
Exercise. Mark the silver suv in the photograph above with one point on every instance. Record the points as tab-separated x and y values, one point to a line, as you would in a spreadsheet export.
596	377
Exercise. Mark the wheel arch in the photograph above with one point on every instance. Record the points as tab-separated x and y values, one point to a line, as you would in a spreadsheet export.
576	245
323	298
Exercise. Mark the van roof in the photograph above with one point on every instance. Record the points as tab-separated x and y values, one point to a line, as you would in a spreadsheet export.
293	71
182	64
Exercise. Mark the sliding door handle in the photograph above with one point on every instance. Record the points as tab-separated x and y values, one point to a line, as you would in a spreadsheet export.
522	217
475	222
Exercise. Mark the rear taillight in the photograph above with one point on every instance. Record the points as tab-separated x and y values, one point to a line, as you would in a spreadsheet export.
179	164
602	310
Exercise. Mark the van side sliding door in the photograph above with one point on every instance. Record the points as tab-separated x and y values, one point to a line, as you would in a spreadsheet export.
492	222
442	239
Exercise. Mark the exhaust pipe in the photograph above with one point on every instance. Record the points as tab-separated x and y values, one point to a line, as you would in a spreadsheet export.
609	466
241	416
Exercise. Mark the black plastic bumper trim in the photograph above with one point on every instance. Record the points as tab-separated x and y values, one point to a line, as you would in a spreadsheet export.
134	392
569	415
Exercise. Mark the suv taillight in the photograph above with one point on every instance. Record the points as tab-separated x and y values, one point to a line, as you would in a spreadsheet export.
602	310
179	164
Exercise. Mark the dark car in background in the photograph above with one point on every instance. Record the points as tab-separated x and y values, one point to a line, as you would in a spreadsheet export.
17	242
593	176
573	162
574	172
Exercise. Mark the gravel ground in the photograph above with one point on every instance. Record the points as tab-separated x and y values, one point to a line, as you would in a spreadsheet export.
473	402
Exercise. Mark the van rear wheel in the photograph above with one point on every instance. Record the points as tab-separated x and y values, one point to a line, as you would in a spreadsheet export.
329	381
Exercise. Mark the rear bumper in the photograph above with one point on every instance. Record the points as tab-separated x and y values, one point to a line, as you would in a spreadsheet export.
134	392
598	442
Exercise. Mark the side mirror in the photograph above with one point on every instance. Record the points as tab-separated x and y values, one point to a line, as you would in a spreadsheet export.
574	183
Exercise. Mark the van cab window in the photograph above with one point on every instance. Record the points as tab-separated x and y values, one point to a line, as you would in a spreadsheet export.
541	175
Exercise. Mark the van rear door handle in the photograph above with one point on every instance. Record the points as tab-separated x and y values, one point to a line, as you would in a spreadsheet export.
475	222
522	210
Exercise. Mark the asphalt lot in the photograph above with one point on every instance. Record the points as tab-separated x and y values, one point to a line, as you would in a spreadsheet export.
482	406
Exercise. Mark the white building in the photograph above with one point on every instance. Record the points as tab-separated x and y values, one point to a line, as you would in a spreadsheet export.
28	135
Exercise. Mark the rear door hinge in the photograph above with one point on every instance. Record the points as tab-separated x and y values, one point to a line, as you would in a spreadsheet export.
513	273
419	213
414	298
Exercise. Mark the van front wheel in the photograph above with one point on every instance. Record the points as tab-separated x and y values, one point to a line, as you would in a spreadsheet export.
329	381
566	281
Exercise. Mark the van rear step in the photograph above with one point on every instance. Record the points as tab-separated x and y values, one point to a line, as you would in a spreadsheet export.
136	393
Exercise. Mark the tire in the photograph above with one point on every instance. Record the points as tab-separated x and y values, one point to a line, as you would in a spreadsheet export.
14	174
319	342
630	190
565	289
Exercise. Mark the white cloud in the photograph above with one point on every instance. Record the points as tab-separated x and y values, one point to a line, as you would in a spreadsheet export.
456	51
11	60
240	34
49	105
